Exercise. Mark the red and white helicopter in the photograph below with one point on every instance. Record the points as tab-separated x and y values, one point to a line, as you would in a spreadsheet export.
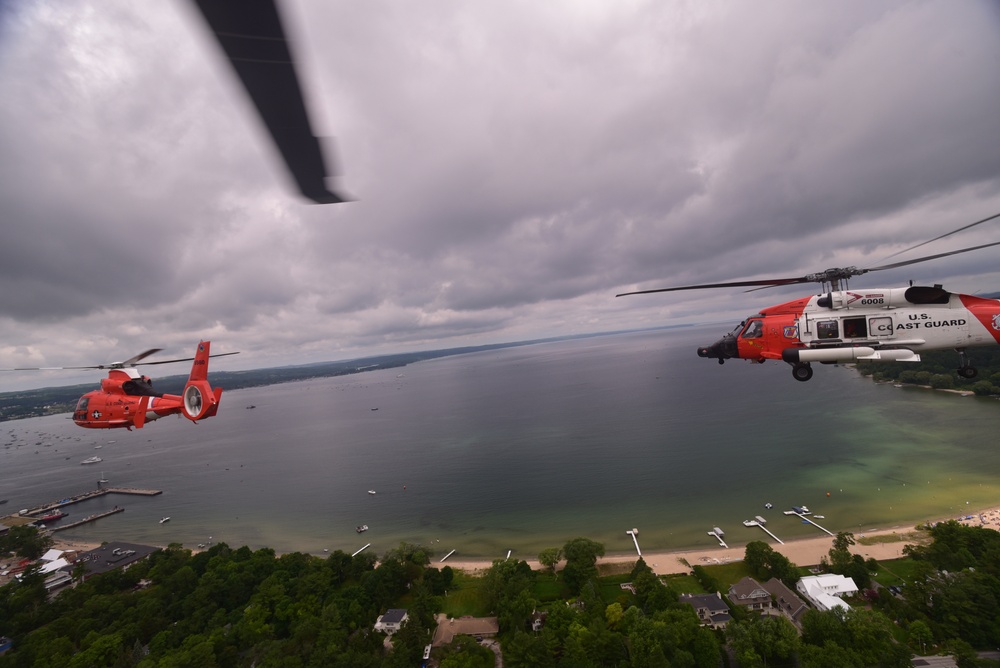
843	325
127	399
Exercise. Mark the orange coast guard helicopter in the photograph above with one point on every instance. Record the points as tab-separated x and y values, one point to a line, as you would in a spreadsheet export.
843	325
127	399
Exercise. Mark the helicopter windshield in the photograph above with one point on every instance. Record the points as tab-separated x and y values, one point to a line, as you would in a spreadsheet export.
82	404
753	330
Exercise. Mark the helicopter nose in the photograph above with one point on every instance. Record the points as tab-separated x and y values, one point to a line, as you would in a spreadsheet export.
721	350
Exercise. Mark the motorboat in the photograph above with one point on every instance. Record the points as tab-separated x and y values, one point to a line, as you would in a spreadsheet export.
92	460
362	528
165	519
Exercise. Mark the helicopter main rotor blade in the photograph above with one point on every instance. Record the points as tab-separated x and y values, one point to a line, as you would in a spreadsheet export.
770	282
933	257
133	362
254	41
183	359
961	229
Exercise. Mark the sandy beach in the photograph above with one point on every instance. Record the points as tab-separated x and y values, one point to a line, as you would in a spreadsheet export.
885	544
880	544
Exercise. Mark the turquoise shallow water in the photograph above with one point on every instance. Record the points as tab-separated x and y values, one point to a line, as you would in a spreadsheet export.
524	448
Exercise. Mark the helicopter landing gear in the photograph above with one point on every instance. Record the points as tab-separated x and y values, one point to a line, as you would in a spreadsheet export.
802	371
966	370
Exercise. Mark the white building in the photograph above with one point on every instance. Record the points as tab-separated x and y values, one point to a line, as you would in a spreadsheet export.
823	591
391	621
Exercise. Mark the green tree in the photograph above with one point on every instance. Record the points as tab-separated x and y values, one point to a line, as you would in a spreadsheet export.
581	562
920	636
549	557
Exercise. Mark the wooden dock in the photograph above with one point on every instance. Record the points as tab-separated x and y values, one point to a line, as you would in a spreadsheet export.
89	518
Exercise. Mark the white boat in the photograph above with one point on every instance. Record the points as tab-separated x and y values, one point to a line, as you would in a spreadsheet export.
371	491
750	523
820	517
362	528
768	506
92	460
165	519
102	479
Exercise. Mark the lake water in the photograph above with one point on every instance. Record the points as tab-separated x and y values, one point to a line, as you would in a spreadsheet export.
524	448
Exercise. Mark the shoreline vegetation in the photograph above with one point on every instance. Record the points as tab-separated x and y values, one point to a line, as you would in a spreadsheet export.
880	544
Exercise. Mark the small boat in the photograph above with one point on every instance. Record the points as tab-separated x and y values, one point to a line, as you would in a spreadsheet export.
750	523
53	516
768	506
92	460
375	409
820	517
251	407
165	519
3	501
362	528
102	480
371	491
98	447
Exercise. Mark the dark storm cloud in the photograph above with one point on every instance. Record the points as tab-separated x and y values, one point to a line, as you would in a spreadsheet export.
515	165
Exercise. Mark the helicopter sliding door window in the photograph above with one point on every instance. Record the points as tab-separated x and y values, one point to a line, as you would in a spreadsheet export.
881	327
827	329
855	328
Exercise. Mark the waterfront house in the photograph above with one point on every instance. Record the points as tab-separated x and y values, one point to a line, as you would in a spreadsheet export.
391	621
750	594
824	591
785	600
711	609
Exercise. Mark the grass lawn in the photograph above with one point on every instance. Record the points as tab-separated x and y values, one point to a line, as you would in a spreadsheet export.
463	597
896	571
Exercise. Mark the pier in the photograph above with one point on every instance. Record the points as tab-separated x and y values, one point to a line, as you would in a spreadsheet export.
635	532
447	555
89	518
802	512
361	550
86	496
758	523
718	533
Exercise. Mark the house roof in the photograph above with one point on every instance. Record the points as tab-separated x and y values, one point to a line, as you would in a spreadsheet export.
393	616
747	591
713	602
787	599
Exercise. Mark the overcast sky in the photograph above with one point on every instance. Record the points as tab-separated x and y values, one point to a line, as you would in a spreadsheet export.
514	164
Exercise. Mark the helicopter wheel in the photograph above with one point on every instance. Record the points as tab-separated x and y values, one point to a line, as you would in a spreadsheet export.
968	372
802	372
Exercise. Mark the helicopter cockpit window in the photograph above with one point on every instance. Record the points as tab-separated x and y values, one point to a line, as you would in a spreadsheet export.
82	404
753	330
827	329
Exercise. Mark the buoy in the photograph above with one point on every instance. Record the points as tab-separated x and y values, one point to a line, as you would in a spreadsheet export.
828	493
